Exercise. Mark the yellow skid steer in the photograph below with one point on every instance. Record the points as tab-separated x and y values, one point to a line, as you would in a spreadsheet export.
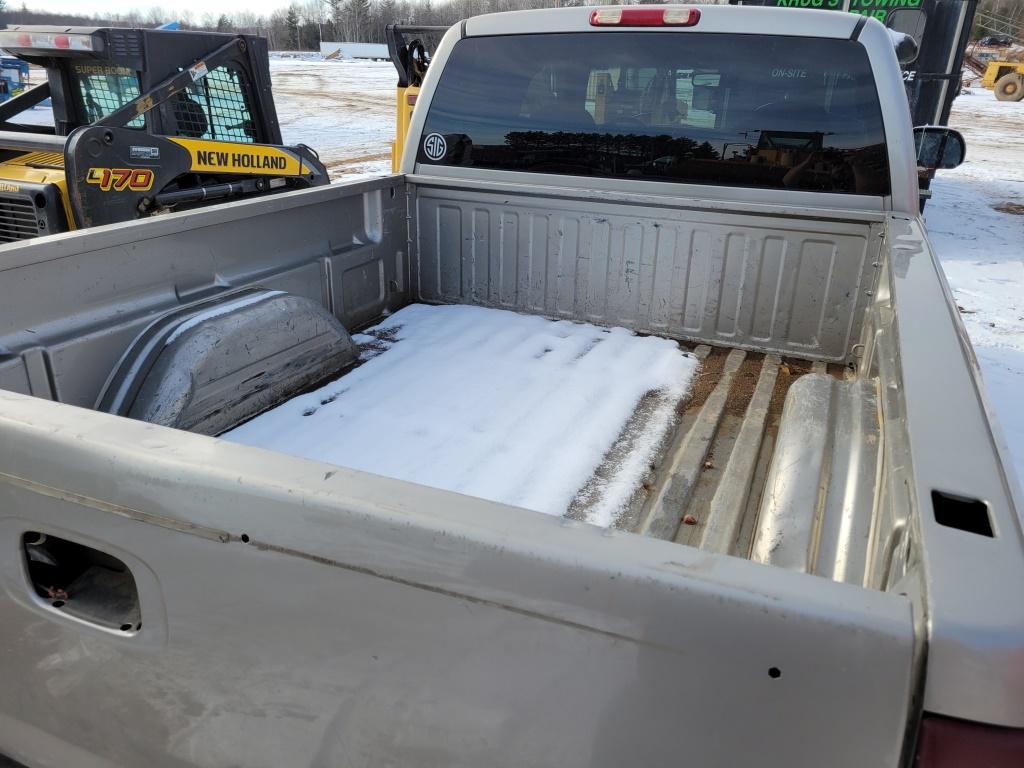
144	121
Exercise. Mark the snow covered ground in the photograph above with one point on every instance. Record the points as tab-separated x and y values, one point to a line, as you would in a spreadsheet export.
38	115
345	110
490	403
976	223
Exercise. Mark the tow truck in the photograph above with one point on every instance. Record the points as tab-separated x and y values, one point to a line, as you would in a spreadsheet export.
940	28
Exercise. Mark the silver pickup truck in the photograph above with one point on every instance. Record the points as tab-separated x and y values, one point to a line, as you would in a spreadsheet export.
808	553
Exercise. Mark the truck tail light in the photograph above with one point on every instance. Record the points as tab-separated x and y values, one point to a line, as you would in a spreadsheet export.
947	743
645	16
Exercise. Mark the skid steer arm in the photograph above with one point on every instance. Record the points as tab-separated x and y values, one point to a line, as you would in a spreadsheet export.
118	174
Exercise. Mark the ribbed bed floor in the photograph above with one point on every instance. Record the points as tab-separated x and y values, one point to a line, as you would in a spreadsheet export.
767	461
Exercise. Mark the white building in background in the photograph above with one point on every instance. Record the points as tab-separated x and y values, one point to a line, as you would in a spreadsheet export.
353	50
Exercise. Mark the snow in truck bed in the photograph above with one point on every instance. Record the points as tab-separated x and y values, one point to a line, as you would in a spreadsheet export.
508	407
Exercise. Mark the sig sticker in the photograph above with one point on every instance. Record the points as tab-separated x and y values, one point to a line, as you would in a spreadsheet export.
434	146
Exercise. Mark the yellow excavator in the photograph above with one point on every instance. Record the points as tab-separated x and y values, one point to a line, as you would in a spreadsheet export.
1001	72
1006	79
144	121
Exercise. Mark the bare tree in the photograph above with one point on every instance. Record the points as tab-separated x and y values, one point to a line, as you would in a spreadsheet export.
155	17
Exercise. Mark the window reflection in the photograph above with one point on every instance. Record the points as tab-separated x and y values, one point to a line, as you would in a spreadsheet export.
699	108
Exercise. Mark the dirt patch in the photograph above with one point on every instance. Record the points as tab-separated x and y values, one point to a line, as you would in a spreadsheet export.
837	371
381	340
626	442
743	384
1017	209
789	371
707	377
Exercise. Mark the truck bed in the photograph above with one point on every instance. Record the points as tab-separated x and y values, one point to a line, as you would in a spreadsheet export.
756	299
391	599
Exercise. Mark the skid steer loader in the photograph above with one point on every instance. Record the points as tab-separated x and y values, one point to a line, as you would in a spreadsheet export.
144	121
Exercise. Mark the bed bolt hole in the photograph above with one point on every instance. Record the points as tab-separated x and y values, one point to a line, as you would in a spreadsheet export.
245	538
774	673
57	603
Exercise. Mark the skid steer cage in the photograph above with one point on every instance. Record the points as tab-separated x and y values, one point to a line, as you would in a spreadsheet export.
223	114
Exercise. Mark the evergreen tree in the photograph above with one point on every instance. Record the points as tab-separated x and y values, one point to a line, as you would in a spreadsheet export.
291	22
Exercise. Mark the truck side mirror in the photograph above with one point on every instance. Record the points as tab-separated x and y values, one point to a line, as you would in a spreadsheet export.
938	147
905	45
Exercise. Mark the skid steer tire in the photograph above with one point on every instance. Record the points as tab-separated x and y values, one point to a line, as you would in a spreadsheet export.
1010	87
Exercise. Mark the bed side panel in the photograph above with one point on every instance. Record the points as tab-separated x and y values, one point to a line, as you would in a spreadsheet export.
71	304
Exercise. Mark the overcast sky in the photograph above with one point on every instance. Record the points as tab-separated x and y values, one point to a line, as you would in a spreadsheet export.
197	7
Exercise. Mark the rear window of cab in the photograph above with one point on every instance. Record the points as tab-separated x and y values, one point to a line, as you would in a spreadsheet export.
735	110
